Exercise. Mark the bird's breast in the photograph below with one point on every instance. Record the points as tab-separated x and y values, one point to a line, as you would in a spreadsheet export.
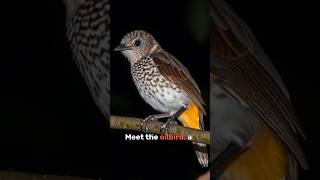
157	91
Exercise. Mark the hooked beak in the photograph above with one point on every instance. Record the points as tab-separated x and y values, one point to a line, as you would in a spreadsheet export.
122	47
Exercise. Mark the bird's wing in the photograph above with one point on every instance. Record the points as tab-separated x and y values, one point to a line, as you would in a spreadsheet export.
241	38
241	66
88	31
176	73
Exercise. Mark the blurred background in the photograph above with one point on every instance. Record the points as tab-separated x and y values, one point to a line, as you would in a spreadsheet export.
50	124
286	31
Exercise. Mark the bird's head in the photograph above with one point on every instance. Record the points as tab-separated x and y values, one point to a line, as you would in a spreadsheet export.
137	44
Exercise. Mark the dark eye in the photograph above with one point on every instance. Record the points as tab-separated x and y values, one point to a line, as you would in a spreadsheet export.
137	42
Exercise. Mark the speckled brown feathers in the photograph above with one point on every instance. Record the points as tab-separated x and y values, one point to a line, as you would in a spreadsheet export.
89	35
176	73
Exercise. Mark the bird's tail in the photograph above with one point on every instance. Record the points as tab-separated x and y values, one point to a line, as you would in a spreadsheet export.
202	153
193	118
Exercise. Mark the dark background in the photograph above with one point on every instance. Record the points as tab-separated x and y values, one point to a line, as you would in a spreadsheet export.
49	123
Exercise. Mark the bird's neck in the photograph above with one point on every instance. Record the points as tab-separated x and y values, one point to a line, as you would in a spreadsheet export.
156	48
134	58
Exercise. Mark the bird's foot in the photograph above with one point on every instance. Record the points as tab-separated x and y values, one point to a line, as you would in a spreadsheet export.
144	123
167	124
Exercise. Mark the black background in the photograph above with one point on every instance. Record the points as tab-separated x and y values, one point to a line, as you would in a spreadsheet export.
49	123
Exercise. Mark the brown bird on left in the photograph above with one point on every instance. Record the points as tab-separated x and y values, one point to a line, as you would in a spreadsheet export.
165	84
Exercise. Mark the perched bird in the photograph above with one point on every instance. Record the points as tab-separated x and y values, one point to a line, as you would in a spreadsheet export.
253	125
165	84
88	30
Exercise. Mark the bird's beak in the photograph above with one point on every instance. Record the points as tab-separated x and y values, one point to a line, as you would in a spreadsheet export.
122	47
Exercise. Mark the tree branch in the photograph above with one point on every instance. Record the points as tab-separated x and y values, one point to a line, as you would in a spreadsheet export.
11	175
131	123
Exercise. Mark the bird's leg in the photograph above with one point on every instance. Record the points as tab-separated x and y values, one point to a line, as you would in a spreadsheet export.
144	123
171	119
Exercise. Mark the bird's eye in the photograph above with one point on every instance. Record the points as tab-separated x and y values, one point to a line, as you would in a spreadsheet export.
137	42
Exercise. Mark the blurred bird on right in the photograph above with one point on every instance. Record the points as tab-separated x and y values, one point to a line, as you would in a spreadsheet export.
254	129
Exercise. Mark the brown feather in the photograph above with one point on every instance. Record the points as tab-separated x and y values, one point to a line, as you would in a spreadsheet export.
176	73
238	68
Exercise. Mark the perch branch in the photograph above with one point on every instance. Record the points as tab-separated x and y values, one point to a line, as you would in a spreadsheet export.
131	123
12	175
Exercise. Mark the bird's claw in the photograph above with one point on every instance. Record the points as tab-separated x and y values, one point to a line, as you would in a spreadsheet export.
166	126
144	123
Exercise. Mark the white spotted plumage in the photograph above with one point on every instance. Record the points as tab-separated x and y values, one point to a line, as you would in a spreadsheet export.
157	91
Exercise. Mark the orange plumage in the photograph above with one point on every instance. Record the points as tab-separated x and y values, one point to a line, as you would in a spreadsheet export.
265	159
191	116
